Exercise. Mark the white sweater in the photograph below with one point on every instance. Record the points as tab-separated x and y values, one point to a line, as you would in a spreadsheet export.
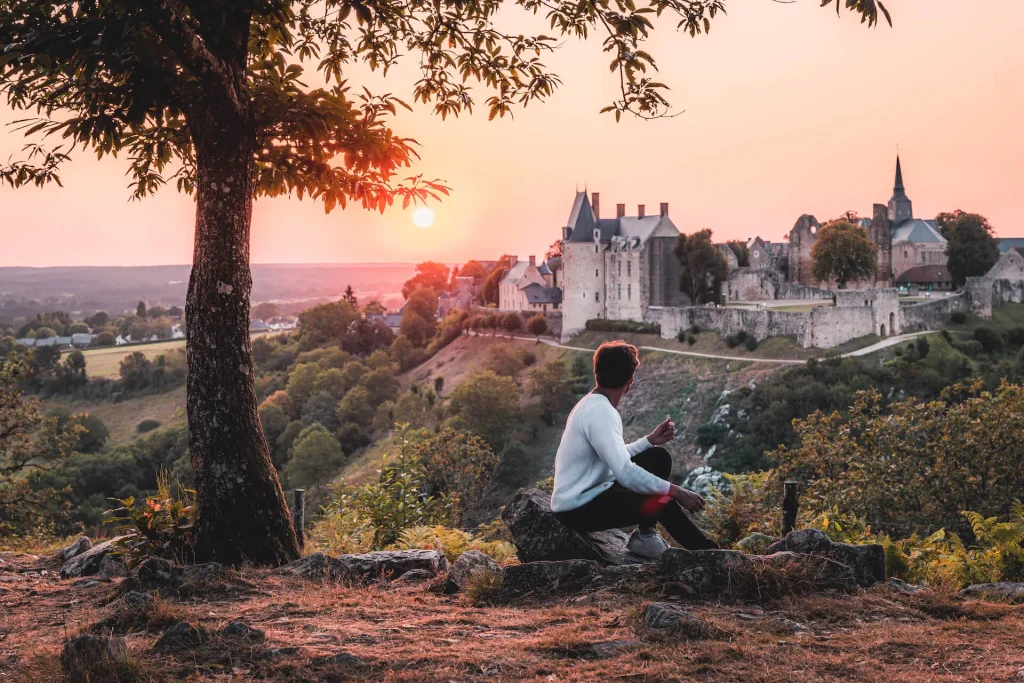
592	456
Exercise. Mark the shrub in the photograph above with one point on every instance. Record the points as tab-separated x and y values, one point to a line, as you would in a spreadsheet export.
605	325
923	347
682	335
691	340
161	525
1015	336
741	336
970	348
944	333
458	467
898	351
452	542
750	507
751	344
529	358
732	341
991	341
709	434
694	329
958	317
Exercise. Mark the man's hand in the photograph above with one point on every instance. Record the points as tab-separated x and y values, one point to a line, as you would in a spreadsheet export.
688	499
663	433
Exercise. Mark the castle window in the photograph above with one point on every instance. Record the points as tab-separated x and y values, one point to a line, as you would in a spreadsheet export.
629	269
597	273
620	291
597	296
595	248
629	292
905	253
584	295
620	266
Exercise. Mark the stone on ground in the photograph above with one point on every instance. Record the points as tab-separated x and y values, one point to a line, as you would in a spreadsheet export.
241	631
1014	591
137	600
89	562
713	572
547	577
756	543
867	561
316	566
341	658
540	536
77	548
469	564
415	576
181	636
89	658
671	617
393	563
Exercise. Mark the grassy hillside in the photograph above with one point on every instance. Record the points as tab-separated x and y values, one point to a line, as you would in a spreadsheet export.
122	418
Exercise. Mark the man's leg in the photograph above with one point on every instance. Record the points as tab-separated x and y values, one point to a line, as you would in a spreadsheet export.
654	509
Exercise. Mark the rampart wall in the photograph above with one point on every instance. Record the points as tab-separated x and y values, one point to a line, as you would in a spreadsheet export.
930	315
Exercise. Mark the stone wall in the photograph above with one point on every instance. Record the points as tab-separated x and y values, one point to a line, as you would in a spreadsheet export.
978	293
1007	292
747	284
582	285
792	290
832	326
759	324
930	315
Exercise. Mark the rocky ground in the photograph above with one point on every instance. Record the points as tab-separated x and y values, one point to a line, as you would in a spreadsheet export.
799	612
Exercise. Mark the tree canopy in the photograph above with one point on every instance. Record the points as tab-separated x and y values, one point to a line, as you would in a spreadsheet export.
703	267
971	248
843	252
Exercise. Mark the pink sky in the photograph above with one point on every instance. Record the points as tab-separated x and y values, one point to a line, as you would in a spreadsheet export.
788	110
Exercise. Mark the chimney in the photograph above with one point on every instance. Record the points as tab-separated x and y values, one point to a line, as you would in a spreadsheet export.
533	260
640	211
512	260
664	208
595	204
620	210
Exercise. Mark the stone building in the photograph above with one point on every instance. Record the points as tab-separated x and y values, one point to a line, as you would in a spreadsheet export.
616	267
901	240
528	287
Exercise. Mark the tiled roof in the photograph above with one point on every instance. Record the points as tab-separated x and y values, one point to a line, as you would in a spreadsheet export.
538	294
918	230
1008	243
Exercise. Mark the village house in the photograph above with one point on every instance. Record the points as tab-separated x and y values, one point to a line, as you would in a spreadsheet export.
528	287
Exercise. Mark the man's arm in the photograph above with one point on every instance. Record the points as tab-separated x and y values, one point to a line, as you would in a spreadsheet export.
604	431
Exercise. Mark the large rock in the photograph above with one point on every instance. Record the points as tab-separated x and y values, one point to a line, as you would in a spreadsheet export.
867	561
89	562
316	566
540	536
714	572
242	632
393	563
1013	591
77	548
469	564
89	658
547	577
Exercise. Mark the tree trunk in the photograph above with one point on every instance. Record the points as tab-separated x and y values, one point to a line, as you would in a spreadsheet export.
243	516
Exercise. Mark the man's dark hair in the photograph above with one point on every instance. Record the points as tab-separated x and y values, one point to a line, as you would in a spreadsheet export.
614	364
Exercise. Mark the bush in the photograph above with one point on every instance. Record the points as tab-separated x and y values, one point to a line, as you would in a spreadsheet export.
694	329
732	341
452	542
458	467
741	336
691	340
682	335
970	348
923	347
751	344
991	341
529	358
944	333
1015	337
958	317
605	325
898	352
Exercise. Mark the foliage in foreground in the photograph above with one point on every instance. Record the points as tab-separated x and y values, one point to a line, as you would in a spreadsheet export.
917	466
941	559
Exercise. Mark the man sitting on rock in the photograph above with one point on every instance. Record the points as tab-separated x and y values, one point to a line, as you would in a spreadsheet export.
603	483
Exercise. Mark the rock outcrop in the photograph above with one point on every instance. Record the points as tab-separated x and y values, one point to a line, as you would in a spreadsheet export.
666	616
540	536
77	548
546	577
1005	590
867	561
181	636
715	572
393	563
469	564
315	566
90	562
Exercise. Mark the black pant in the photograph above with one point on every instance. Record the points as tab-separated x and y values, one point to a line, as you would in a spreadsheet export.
619	507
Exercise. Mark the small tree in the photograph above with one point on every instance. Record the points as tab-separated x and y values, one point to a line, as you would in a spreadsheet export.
843	252
458	467
511	323
316	457
741	251
971	249
552	384
349	297
485	404
703	267
140	310
537	326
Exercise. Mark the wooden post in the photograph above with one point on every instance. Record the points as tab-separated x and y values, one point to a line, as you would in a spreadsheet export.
299	516
789	507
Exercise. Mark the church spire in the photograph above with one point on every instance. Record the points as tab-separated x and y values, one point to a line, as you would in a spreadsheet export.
900	208
899	176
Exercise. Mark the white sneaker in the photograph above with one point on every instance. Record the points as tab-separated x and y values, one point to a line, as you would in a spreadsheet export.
650	546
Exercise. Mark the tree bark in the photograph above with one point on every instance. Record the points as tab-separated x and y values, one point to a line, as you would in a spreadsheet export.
243	516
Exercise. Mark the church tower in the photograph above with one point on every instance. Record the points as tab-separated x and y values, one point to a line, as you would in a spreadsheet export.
900	207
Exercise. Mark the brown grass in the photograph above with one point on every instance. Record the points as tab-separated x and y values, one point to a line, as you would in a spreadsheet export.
406	633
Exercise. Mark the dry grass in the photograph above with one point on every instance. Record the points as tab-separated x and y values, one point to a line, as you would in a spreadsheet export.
406	633
122	418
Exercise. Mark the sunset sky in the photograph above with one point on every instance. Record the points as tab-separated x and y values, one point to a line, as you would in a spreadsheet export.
788	110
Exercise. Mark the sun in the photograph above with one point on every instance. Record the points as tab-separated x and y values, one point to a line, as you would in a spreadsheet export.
423	217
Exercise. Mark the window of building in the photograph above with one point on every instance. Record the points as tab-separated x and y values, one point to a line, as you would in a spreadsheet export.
629	291
595	248
584	295
629	269
620	290
597	296
597	273
620	266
